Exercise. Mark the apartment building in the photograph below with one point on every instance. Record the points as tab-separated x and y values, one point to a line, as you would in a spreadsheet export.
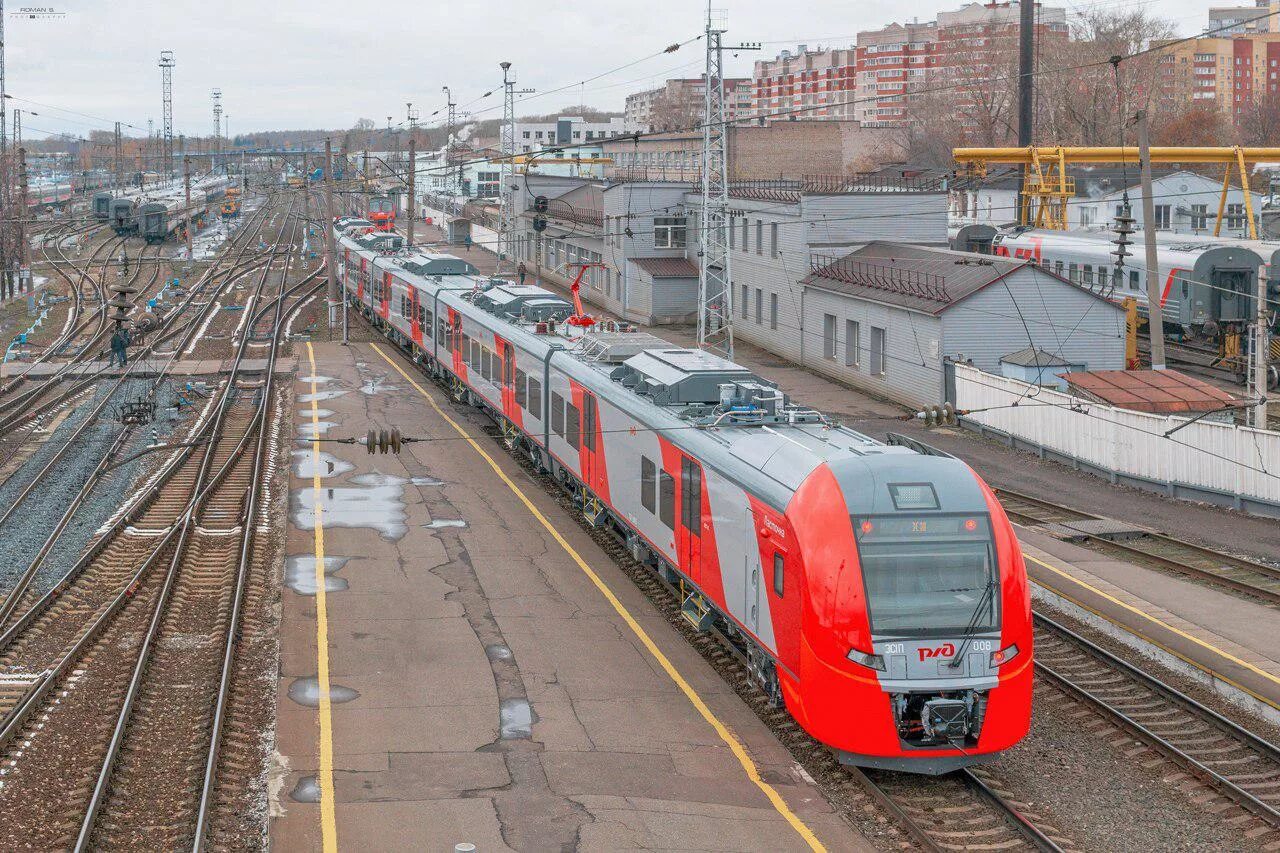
1227	21
873	81
679	104
1227	73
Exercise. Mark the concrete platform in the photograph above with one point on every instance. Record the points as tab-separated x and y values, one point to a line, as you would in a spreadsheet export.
482	687
146	368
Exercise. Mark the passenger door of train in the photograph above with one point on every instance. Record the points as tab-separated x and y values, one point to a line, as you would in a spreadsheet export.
689	539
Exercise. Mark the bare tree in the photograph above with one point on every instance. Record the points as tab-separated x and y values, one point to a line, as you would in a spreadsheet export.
1082	101
1258	121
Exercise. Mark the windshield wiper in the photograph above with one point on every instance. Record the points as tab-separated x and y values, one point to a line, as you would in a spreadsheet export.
954	663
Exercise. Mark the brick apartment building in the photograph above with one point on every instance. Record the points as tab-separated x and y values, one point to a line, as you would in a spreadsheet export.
872	81
678	104
1227	73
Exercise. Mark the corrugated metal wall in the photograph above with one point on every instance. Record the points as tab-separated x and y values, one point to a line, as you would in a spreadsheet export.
1032	308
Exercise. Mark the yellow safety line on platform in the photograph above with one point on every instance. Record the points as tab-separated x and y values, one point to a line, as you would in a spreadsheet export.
328	820
730	739
1165	625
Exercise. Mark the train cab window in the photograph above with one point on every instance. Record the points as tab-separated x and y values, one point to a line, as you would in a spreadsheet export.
667	500
557	414
648	483
535	398
522	391
572	426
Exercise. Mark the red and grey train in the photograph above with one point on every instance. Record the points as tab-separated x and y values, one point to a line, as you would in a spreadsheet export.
382	213
878	592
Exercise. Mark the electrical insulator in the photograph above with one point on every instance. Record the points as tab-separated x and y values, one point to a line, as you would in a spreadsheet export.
1123	229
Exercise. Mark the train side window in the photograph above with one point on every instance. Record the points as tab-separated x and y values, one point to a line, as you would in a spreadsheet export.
1074	274
1057	267
522	391
779	573
648	483
691	504
486	363
557	414
667	500
426	320
1088	273
590	413
1133	280
535	398
572	425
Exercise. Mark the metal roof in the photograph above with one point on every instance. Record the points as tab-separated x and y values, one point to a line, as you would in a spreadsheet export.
667	267
1031	357
1164	392
915	277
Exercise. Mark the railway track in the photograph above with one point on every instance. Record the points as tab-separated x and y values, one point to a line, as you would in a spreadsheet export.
119	677
1238	765
1154	549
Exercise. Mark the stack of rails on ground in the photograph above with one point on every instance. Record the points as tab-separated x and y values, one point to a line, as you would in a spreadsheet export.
511	484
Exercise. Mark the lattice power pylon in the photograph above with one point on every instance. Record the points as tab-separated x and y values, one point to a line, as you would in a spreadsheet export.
506	224
217	128
166	84
715	291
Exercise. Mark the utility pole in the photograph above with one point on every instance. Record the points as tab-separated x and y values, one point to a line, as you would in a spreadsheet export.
715	280
1026	70
5	229
1155	310
506	224
24	269
119	162
186	181
330	251
413	168
166	85
1261	350
306	206
364	172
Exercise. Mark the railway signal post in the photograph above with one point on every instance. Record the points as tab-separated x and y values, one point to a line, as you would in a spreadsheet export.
413	210
186	181
332	291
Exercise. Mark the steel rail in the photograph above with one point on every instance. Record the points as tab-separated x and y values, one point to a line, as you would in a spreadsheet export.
1177	698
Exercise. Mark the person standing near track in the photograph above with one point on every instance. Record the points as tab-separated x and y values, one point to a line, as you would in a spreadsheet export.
522	271
119	344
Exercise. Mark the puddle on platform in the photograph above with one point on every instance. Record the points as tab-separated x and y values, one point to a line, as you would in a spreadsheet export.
306	691
441	523
425	481
305	464
379	508
319	395
315	378
516	719
300	574
305	414
306	791
497	651
314	429
377	386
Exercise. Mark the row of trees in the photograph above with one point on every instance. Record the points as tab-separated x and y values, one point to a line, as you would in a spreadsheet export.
1080	97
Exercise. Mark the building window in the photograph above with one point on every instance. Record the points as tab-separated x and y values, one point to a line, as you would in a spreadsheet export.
877	351
668	232
773	310
829	336
1199	216
746	235
648	483
733	233
759	237
1162	216
779	573
746	301
1235	216
1088	215
773	240
759	305
851	336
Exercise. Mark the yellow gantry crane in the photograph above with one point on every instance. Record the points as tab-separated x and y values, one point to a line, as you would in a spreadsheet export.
1048	188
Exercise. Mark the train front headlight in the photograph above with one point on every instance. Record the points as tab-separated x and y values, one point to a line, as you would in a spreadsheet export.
875	662
1003	656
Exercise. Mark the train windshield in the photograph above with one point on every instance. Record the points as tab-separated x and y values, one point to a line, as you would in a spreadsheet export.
929	576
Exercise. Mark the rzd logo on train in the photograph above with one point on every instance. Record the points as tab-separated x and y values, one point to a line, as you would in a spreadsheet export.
945	650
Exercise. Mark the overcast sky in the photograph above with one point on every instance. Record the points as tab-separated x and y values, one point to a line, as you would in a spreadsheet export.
287	64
